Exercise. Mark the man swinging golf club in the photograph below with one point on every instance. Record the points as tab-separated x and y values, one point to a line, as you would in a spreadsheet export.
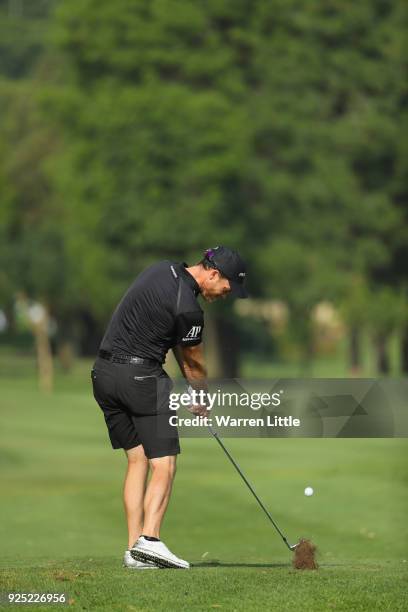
159	311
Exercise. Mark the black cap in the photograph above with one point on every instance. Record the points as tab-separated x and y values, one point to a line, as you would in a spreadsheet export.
230	264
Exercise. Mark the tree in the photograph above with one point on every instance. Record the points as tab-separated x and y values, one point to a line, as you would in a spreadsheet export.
269	126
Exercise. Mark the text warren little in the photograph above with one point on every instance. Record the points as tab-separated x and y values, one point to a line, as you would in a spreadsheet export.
228	421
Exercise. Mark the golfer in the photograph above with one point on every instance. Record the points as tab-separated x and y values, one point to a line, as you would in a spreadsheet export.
159	311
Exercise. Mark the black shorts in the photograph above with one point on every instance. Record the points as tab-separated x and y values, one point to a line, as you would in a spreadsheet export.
135	403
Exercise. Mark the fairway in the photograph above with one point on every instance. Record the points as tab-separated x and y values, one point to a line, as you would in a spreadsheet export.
63	529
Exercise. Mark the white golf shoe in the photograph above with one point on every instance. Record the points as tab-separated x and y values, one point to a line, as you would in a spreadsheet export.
129	561
156	552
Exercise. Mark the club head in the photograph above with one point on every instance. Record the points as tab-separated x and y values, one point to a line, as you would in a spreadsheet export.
291	547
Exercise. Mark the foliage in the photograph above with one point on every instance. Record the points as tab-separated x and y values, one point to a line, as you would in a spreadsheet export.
150	129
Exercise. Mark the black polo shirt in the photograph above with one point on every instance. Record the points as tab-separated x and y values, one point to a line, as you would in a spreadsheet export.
158	311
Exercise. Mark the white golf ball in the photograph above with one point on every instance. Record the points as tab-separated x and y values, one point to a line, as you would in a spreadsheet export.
308	491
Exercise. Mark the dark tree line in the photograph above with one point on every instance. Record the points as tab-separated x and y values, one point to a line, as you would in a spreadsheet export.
140	130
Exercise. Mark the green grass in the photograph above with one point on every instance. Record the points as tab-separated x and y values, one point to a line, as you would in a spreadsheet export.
63	529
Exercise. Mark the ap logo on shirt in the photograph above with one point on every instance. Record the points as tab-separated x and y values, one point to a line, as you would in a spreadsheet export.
193	333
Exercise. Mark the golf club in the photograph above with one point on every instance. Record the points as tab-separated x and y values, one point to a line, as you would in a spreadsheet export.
234	463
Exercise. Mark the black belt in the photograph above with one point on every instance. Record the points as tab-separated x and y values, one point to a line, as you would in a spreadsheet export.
121	358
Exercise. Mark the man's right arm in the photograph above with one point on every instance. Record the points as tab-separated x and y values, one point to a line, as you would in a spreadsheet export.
191	362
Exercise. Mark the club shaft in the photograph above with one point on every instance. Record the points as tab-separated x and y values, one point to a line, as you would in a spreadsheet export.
248	484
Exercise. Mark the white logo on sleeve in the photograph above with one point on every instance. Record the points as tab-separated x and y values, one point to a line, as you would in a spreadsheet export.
194	333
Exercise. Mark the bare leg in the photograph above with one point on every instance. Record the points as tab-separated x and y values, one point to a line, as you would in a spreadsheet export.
134	490
158	494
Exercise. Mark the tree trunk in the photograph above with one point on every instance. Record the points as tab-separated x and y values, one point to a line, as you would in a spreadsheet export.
404	352
228	346
90	334
44	356
222	346
66	355
355	351
212	348
383	362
